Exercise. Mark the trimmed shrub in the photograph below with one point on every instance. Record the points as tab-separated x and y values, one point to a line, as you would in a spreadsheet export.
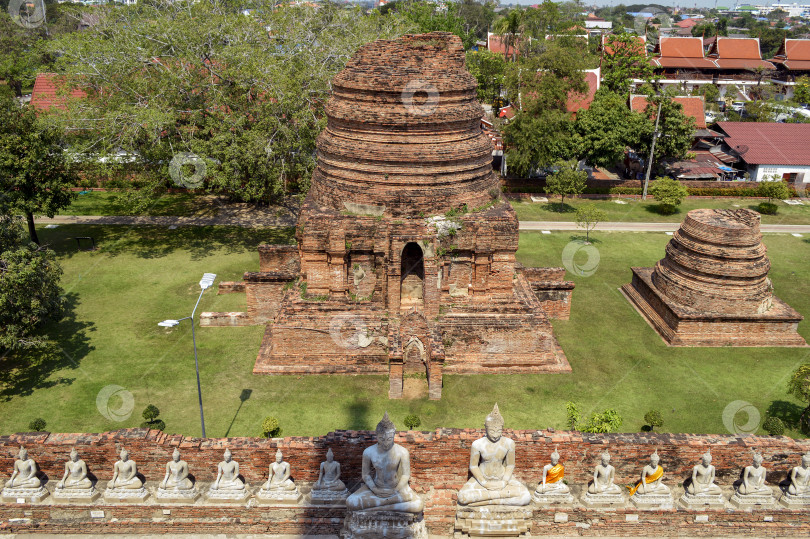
37	425
774	426
412	421
767	208
150	413
271	427
669	193
653	418
156	424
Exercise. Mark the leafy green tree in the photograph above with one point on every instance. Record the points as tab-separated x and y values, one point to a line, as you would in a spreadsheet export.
271	427
35	176
567	180
799	387
607	421
572	414
37	425
588	216
801	92
30	295
478	16
430	17
607	128
773	426
244	94
150	414
676	130
669	193
624	58
412	421
489	69
773	188
653	418
509	28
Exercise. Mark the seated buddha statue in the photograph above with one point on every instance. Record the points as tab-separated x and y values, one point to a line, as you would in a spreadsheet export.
279	475
603	477
800	478
552	482
125	474
753	479
176	477
228	474
329	475
75	476
703	478
651	477
24	474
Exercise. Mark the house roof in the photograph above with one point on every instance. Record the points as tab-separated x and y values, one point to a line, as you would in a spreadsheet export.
692	106
638	43
738	53
47	92
682	52
794	54
769	143
686	23
580	101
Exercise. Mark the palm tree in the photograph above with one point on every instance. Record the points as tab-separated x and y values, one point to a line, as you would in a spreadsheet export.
508	28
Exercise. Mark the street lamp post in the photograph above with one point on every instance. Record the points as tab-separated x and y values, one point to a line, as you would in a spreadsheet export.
205	283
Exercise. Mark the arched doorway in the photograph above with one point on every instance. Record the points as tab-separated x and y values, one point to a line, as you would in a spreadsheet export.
412	275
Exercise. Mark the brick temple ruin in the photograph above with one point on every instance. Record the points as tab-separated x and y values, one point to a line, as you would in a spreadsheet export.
712	287
405	255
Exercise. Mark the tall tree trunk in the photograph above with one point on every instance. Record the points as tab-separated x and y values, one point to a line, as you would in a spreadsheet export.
32	231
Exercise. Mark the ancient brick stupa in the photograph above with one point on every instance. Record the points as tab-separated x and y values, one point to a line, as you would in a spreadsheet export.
405	256
712	287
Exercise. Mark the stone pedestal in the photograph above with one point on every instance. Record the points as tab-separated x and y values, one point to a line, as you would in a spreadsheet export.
698	501
330	497
493	521
124	495
749	502
269	497
653	501
801	501
177	496
28	495
604	500
383	525
552	498
228	496
73	495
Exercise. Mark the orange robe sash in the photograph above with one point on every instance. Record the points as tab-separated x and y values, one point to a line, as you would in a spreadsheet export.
655	476
555	473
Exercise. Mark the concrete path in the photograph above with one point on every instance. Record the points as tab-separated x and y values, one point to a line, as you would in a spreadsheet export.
287	220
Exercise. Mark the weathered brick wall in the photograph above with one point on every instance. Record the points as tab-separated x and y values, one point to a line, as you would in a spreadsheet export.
439	462
279	258
231	287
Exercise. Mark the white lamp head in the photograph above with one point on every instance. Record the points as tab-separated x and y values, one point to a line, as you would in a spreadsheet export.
207	280
168	323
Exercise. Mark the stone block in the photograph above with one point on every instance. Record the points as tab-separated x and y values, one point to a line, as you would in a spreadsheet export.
493	521
122	495
28	495
375	524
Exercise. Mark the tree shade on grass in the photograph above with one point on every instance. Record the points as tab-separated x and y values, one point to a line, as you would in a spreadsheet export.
140	276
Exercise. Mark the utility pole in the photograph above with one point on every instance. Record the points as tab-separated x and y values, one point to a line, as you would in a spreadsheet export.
652	151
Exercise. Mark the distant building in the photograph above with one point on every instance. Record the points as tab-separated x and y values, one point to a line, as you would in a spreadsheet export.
766	149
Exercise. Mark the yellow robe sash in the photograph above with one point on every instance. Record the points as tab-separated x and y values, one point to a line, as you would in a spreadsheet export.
655	476
555	473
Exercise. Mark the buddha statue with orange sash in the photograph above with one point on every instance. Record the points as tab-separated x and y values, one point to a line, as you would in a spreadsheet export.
552	482
651	477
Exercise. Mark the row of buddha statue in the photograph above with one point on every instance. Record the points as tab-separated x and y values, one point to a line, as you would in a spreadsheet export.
491	502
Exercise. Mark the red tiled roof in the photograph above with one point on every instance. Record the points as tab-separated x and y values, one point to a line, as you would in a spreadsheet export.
769	143
794	54
686	23
692	106
507	112
638	43
738	53
684	63
496	43
47	94
580	101
682	52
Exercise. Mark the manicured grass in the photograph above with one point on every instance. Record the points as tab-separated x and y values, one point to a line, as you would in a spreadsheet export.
115	203
636	210
140	276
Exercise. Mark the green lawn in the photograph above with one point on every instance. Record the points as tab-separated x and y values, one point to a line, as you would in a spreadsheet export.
115	203
636	210
140	276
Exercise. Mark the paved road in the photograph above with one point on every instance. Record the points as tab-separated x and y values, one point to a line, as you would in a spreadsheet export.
285	221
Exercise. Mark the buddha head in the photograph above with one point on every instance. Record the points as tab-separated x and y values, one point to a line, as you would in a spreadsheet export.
74	455
706	459
757	460
329	455
23	454
494	424
176	455
279	456
555	457
227	455
124	455
806	460
605	458
654	459
385	433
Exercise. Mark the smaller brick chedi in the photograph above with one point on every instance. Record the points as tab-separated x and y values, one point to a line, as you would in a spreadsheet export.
712	286
405	254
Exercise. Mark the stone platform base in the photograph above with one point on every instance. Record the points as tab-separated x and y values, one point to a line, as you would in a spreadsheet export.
493	521
681	326
67	495
604	500
177	496
266	497
330	497
552	499
383	525
653	501
27	495
699	501
121	495
748	503
228	496
790	501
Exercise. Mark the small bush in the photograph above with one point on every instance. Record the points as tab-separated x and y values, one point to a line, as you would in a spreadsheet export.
654	419
607	421
37	425
669	193
774	426
270	427
412	421
572	415
150	413
767	208
156	424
